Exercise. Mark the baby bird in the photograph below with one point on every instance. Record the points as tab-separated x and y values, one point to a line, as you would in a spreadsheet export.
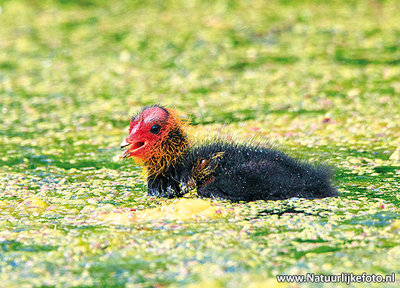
238	172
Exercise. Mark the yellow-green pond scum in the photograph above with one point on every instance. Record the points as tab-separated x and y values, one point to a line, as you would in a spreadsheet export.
318	80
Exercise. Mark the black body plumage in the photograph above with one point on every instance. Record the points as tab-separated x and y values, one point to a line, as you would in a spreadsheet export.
241	172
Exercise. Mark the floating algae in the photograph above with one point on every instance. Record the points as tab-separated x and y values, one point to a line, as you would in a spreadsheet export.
182	209
179	210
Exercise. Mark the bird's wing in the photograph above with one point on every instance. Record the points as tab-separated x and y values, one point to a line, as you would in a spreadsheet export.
202	171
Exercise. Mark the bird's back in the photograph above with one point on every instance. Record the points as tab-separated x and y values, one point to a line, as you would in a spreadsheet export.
246	173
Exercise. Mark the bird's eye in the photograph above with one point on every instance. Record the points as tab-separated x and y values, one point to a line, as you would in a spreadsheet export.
155	129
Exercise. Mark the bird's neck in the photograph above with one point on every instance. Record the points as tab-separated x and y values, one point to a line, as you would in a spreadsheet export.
168	153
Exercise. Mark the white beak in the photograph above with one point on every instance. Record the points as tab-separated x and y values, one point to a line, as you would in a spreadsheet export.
124	144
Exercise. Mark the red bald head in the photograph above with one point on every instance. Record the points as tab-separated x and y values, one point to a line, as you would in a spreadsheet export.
147	131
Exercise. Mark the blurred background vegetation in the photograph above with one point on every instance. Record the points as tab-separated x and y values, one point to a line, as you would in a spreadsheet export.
250	58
